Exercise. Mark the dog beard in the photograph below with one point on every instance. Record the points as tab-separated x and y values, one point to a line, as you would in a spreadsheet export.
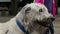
35	27
40	26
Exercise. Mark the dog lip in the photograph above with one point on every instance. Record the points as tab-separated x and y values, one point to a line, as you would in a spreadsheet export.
44	23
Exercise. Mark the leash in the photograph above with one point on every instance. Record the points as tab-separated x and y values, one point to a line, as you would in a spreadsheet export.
21	27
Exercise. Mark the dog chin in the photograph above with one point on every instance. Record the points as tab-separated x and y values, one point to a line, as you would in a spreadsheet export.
35	26
38	28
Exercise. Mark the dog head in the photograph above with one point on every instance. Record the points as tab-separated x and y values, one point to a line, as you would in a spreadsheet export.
33	15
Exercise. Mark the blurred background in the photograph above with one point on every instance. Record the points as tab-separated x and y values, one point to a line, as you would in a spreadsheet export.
9	8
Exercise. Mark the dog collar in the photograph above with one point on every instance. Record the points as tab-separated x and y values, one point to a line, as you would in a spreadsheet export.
21	27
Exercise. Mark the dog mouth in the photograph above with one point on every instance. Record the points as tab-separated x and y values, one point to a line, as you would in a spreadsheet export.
37	24
44	22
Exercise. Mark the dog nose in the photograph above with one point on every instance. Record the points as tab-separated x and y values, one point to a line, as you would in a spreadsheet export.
52	18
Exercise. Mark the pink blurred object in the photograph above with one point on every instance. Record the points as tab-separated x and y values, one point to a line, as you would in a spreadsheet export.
39	1
54	8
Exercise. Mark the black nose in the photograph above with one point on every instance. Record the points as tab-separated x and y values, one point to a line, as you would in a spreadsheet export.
52	18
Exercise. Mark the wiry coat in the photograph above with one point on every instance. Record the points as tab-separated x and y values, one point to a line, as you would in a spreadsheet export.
27	14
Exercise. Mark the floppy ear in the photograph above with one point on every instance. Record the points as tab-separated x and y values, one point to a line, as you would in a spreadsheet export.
27	10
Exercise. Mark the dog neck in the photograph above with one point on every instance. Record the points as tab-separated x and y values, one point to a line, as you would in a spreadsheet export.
25	25
21	27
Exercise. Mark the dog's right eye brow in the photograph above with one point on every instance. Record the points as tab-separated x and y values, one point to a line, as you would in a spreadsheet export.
27	10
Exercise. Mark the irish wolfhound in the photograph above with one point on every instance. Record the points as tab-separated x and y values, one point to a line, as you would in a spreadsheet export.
32	19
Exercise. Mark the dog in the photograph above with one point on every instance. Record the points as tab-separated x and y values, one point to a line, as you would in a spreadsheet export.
32	19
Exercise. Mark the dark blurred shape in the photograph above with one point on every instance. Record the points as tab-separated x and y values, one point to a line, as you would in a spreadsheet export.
58	3
24	2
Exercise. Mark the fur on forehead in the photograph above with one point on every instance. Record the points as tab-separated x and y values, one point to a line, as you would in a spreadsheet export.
32	6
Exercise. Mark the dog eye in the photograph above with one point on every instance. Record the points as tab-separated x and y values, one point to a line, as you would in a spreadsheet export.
40	10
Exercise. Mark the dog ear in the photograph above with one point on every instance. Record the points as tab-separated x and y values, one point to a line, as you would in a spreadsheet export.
27	10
